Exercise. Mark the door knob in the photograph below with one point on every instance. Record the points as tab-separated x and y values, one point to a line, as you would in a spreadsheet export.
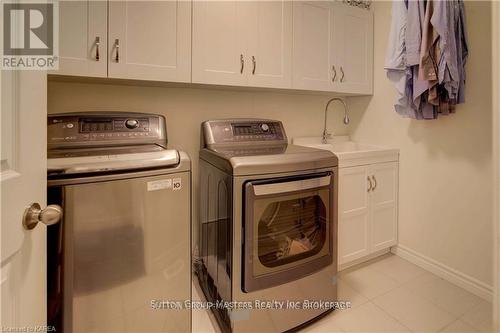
48	216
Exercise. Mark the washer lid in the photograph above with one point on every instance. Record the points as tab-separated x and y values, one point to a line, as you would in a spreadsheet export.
109	159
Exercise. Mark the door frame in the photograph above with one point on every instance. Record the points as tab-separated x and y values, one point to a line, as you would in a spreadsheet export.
496	159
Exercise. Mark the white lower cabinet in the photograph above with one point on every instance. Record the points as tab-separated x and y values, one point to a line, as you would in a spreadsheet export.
368	210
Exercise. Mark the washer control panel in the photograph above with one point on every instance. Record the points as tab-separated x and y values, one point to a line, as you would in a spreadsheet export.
85	129
243	131
97	125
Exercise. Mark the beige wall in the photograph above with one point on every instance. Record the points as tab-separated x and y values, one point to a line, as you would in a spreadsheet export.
446	165
445	207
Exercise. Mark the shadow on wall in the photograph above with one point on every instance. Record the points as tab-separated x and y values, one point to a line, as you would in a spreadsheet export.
453	135
465	135
358	106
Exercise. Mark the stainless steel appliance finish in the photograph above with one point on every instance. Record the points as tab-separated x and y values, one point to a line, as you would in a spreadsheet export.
241	132
257	146
103	141
268	224
80	129
124	242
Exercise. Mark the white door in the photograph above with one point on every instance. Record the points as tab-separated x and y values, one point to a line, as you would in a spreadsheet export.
353	47
23	181
312	45
220	34
270	44
384	205
354	214
83	38
150	40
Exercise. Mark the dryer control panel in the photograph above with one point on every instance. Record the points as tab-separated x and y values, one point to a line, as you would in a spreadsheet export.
255	132
105	129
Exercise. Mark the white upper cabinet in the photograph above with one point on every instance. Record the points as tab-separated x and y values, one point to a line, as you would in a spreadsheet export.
307	45
313	26
150	40
219	42
332	47
82	38
353	47
270	44
242	43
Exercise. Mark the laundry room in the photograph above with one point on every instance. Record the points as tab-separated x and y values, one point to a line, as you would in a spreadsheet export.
253	166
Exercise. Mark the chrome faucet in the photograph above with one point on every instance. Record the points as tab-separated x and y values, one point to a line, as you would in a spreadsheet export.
327	135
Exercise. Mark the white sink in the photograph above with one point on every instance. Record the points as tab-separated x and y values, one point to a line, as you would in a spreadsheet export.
350	153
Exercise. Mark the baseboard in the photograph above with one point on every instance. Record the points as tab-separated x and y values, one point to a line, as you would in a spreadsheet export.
374	255
462	280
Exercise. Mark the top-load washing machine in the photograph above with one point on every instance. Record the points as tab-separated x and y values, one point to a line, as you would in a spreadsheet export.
123	246
267	233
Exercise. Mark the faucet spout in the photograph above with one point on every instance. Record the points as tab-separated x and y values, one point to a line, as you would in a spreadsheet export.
327	135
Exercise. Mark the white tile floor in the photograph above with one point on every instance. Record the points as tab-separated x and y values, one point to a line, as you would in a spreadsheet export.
390	294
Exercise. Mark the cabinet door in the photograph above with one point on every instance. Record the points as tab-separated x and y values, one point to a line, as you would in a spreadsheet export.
353	45
384	205
312	45
354	214
220	32
150	40
82	36
270	44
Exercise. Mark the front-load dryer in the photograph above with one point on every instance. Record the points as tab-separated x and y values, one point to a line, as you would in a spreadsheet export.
267	232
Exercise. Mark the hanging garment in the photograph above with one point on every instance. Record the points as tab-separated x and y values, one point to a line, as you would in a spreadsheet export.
462	51
395	58
433	52
396	63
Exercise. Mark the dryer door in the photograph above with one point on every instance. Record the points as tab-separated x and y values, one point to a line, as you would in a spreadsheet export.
288	229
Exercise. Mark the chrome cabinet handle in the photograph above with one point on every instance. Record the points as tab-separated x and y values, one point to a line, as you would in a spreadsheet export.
371	185
343	74
242	61
334	73
48	216
117	46
254	65
97	42
375	182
